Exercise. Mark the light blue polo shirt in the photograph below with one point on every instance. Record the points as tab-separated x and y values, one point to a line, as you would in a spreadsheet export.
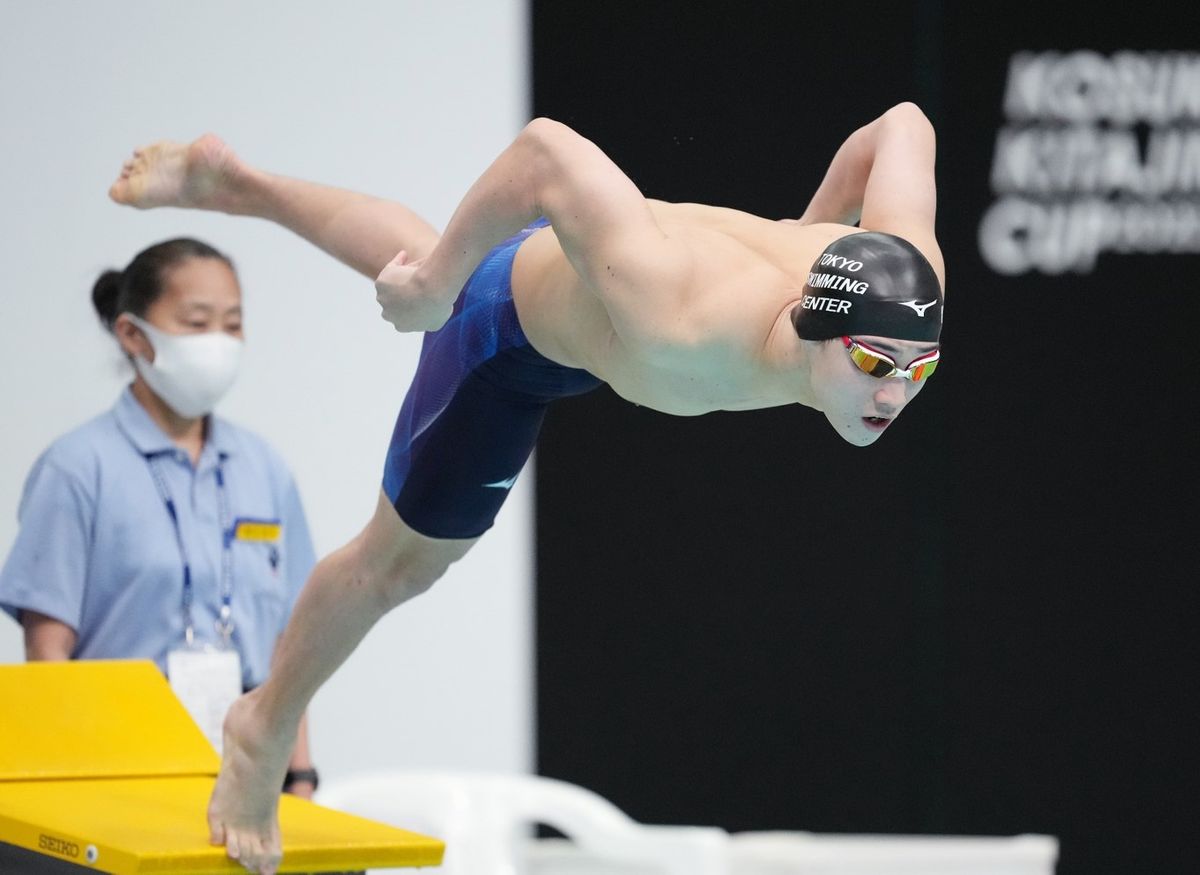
97	550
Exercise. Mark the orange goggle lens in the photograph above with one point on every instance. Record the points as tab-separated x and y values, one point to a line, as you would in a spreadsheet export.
881	365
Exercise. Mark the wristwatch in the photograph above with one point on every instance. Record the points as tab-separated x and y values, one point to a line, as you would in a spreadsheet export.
295	776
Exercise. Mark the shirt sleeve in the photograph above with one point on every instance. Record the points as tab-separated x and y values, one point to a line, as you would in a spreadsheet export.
47	568
299	557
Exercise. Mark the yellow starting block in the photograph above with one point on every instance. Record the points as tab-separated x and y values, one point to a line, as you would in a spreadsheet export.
102	770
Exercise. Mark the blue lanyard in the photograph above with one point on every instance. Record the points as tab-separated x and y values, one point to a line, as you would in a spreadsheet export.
225	615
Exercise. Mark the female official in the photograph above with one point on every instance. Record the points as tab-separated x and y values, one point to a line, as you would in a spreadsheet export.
158	530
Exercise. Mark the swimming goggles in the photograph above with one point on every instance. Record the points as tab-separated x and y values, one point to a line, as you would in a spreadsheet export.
881	365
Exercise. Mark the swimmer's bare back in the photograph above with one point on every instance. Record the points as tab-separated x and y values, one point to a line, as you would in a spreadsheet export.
723	339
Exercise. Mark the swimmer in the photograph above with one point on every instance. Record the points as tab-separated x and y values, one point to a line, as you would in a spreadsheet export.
553	276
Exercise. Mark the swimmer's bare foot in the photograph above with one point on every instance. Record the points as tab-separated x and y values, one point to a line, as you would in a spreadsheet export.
204	174
243	813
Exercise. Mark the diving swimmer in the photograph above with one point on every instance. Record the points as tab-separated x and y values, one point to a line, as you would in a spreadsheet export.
556	275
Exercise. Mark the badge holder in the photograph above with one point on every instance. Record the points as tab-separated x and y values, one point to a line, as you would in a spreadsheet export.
207	678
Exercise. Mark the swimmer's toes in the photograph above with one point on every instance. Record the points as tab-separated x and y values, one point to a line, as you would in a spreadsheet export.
216	831
123	190
150	178
256	854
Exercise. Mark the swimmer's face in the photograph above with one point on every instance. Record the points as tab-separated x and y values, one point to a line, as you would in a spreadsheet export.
861	407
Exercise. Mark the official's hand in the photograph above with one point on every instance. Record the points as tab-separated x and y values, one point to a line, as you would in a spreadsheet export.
406	297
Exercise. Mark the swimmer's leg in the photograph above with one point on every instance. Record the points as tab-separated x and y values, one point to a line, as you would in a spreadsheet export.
348	591
361	231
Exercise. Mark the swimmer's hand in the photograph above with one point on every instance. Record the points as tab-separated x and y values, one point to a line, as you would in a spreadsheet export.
408	299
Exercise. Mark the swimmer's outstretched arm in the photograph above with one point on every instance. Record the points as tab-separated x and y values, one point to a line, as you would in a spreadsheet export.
883	177
602	221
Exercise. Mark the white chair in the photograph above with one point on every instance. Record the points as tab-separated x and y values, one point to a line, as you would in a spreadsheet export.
486	822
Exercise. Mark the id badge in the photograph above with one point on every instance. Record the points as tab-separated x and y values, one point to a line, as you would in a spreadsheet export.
206	681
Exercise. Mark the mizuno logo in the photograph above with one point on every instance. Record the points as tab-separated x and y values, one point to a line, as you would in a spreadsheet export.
917	308
503	484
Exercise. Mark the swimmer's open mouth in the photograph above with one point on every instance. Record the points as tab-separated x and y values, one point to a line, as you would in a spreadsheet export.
878	423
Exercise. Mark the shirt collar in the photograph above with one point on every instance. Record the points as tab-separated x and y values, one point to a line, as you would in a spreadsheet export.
220	436
150	440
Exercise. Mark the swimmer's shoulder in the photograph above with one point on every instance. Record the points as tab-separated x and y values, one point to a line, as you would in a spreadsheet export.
704	216
734	238
787	242
752	230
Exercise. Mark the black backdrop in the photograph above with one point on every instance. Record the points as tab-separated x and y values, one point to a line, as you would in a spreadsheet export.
983	624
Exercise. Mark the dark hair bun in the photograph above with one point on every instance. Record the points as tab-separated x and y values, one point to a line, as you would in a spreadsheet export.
105	293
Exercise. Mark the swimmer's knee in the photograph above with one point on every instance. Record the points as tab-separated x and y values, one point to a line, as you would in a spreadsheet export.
396	574
405	581
396	562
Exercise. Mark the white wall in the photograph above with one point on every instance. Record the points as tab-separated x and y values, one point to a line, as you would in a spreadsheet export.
401	98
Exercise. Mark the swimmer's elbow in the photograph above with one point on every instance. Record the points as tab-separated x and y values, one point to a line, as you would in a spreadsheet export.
550	150
537	143
907	109
543	140
910	117
543	129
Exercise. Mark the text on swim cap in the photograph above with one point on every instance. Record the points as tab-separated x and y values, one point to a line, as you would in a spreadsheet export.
828	260
831	305
838	283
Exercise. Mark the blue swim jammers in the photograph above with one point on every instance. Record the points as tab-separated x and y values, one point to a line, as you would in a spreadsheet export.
474	409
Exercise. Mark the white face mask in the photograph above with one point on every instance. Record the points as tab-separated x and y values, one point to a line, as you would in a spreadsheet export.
190	372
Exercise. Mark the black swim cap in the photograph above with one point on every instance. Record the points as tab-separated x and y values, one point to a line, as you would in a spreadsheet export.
870	283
